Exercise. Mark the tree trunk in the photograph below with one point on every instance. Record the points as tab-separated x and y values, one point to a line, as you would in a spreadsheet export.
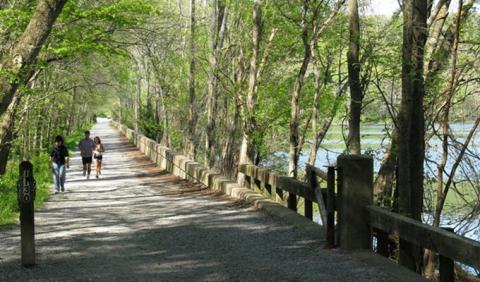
159	112
6	131
318	88
71	116
356	92
192	120
435	25
295	107
445	124
217	36
229	149
25	51
138	97
247	152
383	187
228	154
412	122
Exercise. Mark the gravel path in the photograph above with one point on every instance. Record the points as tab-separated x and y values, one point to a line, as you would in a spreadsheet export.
137	223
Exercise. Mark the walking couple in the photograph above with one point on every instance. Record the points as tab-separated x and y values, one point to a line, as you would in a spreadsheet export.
89	147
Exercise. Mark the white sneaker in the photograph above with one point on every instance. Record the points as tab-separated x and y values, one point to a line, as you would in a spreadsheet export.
88	176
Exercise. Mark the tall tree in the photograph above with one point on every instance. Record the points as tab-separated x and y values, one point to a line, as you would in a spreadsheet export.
310	32
412	123
192	119
247	147
444	116
356	92
217	36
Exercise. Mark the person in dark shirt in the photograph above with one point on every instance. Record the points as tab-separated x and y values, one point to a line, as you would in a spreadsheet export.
58	160
86	147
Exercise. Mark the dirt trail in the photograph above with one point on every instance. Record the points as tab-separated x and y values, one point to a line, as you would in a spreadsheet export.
137	223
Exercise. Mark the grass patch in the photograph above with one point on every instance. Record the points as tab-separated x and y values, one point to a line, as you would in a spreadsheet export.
8	187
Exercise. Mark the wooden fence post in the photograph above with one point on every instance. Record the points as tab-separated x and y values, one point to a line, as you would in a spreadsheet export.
292	201
308	205
355	195
382	243
447	265
26	197
330	226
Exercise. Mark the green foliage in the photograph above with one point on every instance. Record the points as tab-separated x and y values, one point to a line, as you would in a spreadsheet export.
8	186
14	21
83	29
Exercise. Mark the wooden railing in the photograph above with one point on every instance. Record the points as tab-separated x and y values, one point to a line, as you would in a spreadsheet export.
272	184
443	242
349	216
326	200
358	217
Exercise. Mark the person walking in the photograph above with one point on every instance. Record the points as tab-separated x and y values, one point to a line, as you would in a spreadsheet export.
86	147
98	155
58	159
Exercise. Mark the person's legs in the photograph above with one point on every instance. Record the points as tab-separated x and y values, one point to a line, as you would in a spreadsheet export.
84	162
62	177
98	166
56	178
89	166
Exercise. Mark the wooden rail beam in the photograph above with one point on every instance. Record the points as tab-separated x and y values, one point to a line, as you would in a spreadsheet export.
320	173
446	243
285	183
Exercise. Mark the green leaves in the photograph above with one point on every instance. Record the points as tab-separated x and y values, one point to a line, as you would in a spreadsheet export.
85	29
14	21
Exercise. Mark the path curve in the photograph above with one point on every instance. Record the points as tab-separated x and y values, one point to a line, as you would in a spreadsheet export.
137	223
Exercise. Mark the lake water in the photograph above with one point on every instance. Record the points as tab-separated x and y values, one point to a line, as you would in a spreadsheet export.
374	139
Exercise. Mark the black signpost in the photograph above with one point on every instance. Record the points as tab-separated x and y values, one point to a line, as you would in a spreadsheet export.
26	196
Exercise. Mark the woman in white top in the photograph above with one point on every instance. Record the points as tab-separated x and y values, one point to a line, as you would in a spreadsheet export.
98	154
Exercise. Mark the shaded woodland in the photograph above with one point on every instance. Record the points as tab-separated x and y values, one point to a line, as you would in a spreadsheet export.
259	82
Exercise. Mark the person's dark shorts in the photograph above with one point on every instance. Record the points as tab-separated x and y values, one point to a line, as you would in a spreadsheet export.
98	157
86	160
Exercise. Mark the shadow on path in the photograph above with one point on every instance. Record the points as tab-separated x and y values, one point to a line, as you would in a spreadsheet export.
137	223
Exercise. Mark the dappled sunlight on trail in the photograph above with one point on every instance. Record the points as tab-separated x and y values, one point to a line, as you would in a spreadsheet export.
139	223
